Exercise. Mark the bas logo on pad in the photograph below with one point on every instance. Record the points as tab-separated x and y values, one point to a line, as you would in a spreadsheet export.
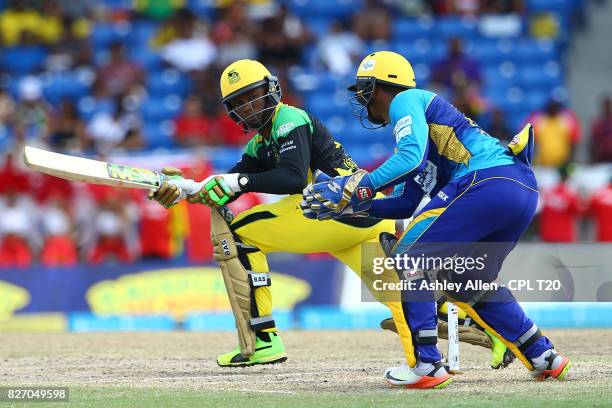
225	246
364	193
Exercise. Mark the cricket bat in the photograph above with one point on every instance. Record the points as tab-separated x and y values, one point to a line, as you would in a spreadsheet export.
98	172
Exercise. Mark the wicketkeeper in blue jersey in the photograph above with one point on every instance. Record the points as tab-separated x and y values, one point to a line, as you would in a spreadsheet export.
481	193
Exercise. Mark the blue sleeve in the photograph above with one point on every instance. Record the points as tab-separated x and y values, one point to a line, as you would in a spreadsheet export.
410	128
401	204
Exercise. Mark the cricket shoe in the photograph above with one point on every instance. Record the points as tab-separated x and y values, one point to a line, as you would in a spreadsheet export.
501	356
269	349
423	376
550	364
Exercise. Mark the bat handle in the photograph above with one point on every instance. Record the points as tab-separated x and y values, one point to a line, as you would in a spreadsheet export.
187	186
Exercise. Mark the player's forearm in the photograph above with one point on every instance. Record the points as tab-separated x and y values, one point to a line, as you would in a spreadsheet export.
247	164
397	168
395	208
290	175
281	180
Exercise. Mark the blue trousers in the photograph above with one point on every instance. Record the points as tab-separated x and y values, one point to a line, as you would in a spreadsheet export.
489	210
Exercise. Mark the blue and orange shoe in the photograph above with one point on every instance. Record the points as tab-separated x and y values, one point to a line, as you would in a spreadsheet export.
430	376
555	366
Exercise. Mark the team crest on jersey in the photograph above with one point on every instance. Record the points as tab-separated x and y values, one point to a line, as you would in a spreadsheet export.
364	193
233	77
368	65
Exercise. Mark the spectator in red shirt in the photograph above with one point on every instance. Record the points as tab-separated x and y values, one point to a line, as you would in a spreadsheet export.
193	127
113	225
155	230
560	212
601	134
13	178
600	208
229	132
17	230
59	248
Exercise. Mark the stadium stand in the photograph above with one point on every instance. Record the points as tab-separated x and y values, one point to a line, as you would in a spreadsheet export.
521	64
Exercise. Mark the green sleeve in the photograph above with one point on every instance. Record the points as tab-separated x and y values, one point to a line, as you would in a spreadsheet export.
289	118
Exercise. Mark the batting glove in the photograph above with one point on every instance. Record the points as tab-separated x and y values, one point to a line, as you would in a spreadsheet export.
217	190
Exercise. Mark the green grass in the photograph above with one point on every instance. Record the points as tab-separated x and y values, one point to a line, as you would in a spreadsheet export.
106	397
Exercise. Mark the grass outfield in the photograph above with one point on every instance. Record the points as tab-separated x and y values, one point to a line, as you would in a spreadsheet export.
325	369
126	397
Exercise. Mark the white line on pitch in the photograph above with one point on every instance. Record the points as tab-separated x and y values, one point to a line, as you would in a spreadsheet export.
216	377
267	391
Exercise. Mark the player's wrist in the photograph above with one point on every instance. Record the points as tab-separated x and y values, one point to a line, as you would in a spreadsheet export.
231	181
219	189
365	190
360	188
244	182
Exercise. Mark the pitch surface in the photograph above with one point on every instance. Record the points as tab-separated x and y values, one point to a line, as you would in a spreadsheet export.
326	368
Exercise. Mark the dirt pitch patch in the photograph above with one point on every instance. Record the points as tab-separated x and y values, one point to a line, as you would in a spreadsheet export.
325	368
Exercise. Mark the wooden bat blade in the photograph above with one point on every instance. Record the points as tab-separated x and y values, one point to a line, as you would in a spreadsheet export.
88	170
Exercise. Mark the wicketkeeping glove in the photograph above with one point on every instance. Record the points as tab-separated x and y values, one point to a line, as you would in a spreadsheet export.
330	198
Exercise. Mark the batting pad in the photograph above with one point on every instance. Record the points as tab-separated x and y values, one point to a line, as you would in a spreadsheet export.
239	283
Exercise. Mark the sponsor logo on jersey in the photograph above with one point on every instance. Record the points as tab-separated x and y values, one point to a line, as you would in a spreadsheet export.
364	193
443	196
402	128
285	128
287	145
427	178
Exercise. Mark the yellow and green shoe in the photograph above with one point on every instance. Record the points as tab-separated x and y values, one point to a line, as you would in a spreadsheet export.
269	349
501	356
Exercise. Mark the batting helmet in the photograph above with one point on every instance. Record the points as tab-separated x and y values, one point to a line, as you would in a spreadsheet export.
241	77
382	67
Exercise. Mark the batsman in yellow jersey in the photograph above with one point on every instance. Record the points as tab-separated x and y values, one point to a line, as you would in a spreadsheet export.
290	150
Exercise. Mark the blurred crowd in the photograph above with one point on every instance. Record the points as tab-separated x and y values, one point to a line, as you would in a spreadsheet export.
58	223
564	211
103	77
